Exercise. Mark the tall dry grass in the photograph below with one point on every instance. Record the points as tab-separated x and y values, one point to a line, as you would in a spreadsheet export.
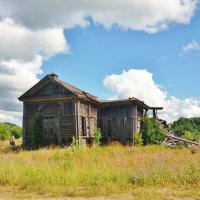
100	170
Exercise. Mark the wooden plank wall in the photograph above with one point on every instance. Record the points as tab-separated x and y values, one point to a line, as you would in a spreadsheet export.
119	121
63	112
90	113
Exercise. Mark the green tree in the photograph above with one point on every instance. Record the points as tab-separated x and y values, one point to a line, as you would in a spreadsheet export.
4	131
8	129
151	130
37	131
189	128
16	131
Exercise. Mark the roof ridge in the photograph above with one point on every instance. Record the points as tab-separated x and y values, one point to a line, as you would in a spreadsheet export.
75	89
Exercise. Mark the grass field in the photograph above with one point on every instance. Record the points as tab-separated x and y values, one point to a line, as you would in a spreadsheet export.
111	172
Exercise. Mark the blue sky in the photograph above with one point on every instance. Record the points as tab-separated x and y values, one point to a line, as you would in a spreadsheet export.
97	52
112	49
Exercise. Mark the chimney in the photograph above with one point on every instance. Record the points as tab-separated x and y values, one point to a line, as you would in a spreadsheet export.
53	75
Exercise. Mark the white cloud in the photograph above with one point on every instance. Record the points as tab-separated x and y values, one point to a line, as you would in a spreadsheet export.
22	53
18	42
192	46
176	108
150	16
13	117
140	84
15	78
135	83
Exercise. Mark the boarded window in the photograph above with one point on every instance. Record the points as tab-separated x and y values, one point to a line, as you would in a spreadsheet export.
31	108
68	108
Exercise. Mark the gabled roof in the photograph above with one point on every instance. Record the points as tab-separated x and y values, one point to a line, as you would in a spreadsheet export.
54	78
79	93
76	90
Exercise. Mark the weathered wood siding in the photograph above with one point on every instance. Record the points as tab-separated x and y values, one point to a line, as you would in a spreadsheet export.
58	121
118	123
87	119
68	111
51	89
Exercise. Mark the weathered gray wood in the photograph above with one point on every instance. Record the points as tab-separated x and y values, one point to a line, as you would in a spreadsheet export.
180	139
73	112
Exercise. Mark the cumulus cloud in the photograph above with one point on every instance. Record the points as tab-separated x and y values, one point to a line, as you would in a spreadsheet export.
140	84
135	83
10	116
20	77
22	53
20	43
192	46
175	108
150	16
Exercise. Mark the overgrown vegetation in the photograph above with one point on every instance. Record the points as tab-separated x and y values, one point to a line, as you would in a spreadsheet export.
189	128
75	144
100	171
9	129
97	136
37	131
137	139
151	131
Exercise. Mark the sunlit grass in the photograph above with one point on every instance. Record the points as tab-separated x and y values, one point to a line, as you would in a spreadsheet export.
99	171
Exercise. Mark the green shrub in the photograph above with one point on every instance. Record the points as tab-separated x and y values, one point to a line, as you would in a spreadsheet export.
75	143
191	136
188	136
97	136
137	139
8	129
16	131
4	132
151	130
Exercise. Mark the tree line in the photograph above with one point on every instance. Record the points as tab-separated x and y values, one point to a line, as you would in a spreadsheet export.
8	129
189	128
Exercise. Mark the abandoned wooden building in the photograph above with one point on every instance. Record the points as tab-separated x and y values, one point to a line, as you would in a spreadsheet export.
69	112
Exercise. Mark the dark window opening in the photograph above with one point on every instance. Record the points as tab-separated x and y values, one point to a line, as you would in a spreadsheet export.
84	126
